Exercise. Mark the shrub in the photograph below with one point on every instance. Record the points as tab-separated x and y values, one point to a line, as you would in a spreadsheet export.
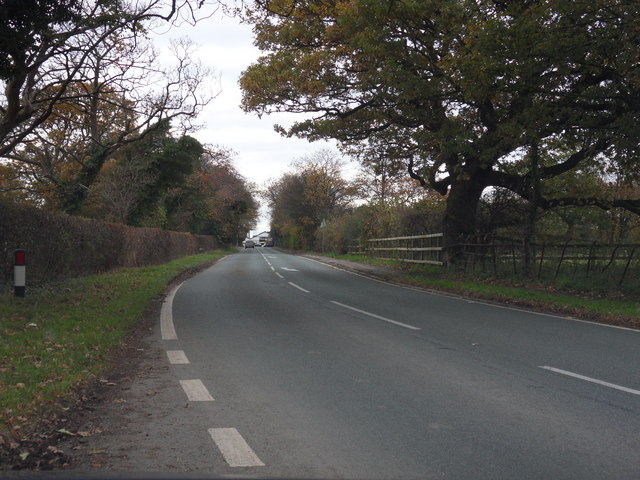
60	246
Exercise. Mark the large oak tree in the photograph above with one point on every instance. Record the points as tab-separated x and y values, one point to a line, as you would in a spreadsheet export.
470	94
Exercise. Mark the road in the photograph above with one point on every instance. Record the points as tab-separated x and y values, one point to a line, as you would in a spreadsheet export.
283	367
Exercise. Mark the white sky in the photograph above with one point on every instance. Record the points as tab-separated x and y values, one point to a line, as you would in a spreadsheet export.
226	45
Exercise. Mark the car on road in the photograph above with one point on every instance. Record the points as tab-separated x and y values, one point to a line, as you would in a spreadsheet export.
249	244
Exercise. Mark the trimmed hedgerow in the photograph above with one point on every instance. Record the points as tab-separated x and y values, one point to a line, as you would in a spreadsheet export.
60	246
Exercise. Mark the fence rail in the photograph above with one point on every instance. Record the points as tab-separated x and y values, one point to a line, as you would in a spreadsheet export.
426	249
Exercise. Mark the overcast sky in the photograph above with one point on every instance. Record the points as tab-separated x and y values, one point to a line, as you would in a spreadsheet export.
226	45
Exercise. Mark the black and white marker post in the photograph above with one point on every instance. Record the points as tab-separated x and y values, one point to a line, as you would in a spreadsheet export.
20	273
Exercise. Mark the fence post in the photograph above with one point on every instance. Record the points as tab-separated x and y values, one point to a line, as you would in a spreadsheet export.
626	267
20	273
494	252
564	249
541	260
593	245
613	257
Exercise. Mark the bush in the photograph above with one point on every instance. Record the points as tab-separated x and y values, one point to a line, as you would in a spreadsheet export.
60	246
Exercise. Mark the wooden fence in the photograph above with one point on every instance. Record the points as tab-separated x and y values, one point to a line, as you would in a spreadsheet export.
550	261
617	264
426	249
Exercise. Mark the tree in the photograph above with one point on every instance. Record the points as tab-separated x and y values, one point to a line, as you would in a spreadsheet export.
167	162
112	104
214	200
459	89
50	45
303	199
116	193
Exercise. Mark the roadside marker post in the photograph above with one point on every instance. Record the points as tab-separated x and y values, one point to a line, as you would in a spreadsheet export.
20	273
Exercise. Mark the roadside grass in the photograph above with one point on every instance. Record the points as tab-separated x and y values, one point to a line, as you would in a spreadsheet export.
601	308
362	259
559	298
61	336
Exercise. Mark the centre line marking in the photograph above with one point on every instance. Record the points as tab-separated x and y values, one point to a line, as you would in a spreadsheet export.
177	357
298	287
384	319
196	391
234	448
592	380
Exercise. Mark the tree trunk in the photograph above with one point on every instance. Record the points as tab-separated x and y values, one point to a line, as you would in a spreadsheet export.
460	217
532	211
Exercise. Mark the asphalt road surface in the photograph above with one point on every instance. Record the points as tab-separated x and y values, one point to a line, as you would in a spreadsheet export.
277	366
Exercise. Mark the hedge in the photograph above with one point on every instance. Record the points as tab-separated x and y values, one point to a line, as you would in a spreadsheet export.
60	246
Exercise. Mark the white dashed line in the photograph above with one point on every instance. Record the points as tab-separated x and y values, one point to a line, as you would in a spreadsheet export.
196	391
234	448
298	287
592	380
177	357
373	315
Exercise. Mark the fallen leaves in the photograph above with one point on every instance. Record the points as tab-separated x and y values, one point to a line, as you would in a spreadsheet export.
35	454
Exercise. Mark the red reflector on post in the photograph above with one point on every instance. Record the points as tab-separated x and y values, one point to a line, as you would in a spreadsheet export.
20	257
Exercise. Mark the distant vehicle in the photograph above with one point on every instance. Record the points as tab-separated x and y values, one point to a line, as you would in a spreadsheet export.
249	244
268	243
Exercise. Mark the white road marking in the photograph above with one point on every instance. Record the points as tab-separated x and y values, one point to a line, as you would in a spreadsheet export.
384	319
279	275
196	391
298	287
234	448
265	258
592	380
177	357
167	330
476	301
289	269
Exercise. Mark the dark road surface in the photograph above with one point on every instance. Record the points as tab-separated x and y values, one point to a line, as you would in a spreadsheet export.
277	366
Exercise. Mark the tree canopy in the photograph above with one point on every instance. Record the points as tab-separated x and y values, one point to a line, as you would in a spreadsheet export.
48	48
305	198
463	92
93	123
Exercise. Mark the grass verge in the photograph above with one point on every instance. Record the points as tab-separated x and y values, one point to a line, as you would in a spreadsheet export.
60	337
592	306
